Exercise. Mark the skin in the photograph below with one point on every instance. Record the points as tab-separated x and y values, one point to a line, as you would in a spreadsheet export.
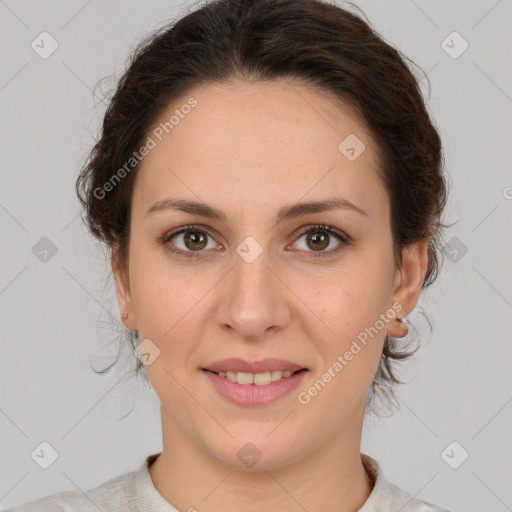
250	149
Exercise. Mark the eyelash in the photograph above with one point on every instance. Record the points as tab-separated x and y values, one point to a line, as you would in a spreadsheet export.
330	230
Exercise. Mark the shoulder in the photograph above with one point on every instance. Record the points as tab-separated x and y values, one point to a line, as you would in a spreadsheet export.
112	495
387	497
401	498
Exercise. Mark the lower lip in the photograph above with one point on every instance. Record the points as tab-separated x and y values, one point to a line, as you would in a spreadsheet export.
252	394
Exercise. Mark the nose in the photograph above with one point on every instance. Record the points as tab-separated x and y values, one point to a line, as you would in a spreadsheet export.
254	300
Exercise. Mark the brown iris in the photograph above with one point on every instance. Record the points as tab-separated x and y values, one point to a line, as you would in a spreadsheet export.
197	238
323	239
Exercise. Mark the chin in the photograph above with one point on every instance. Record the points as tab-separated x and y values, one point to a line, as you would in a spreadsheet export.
253	451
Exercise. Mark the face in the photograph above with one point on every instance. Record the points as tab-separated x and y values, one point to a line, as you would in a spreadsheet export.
250	283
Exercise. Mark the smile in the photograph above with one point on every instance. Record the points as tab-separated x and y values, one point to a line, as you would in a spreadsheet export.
259	379
254	389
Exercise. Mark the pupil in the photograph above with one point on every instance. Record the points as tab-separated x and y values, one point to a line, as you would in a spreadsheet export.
195	238
323	238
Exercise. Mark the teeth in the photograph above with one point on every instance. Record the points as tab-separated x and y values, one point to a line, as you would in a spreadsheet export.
244	378
276	375
260	379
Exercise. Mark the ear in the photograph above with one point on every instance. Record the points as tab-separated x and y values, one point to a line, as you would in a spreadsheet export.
408	281
124	297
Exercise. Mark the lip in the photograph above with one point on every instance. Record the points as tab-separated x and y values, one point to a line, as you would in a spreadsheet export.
264	365
252	395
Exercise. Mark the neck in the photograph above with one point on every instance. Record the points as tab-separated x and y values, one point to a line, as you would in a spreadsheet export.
191	479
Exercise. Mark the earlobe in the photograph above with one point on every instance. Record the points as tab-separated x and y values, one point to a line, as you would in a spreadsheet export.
398	328
408	285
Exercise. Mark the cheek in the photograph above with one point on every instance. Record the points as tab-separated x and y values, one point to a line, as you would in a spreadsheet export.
158	297
351	305
168	303
351	348
153	302
352	298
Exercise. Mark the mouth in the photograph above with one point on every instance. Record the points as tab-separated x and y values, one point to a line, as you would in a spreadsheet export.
256	388
258	379
253	382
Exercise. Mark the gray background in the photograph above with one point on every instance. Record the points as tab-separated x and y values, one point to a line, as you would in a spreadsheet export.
56	313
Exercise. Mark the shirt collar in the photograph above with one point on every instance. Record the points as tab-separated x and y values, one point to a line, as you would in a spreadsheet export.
145	496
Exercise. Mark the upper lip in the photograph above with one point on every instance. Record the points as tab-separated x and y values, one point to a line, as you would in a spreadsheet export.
264	365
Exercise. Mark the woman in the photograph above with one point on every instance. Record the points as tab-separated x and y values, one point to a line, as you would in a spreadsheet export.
270	186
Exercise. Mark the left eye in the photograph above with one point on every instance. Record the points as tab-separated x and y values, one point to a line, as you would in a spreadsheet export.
318	239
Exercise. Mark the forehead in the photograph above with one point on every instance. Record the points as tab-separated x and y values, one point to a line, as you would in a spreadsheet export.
260	143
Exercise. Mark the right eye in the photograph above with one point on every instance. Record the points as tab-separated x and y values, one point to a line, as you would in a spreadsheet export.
193	240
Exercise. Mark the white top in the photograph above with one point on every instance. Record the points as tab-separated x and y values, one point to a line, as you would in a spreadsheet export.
135	492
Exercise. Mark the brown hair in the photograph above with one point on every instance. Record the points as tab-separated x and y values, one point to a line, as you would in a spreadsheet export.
317	42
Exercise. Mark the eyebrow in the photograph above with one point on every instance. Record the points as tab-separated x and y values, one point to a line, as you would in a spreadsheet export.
285	213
